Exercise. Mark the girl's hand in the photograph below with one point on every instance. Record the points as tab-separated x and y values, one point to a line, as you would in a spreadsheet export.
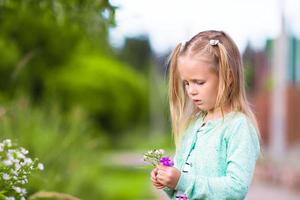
154	180
168	176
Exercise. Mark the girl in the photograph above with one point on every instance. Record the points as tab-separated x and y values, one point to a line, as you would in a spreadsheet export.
215	131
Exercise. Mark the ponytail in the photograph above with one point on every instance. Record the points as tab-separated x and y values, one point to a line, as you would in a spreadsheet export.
175	99
225	77
233	89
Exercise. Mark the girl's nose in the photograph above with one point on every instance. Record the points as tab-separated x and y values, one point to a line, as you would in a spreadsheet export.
192	89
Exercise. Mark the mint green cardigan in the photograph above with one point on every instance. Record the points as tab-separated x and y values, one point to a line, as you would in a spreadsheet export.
225	153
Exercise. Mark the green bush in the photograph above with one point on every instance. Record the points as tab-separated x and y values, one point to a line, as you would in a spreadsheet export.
66	147
113	94
74	156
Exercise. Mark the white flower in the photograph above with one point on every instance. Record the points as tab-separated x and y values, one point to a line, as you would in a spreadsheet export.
17	189
27	161
24	151
11	150
161	151
40	166
17	166
7	142
23	191
24	181
5	176
7	162
20	155
11	158
154	156
14	172
10	198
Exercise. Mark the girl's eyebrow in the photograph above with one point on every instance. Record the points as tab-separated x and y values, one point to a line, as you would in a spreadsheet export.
194	80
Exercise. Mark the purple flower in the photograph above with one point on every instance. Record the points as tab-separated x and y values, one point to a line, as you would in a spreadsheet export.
166	161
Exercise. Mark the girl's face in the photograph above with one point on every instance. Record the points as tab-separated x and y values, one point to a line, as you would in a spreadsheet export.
200	81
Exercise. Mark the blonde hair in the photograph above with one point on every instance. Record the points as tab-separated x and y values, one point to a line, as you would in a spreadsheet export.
226	58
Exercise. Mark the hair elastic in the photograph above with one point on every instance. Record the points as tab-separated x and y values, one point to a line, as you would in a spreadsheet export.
182	45
214	42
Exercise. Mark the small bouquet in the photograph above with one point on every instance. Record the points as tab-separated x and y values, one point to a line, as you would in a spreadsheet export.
15	168
156	157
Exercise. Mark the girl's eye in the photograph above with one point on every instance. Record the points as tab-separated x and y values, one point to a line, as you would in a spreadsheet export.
200	82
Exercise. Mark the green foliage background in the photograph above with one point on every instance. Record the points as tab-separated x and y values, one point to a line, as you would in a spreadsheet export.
69	98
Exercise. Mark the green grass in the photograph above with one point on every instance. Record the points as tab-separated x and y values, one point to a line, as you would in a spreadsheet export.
74	154
127	184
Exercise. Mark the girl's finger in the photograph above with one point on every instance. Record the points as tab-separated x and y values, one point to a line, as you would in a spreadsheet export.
160	178
153	173
154	180
160	187
157	184
161	173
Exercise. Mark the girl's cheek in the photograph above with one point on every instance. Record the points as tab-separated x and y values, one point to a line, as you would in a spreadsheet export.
201	92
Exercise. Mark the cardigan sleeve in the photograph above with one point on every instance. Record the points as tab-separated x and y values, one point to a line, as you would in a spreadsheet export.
242	152
170	192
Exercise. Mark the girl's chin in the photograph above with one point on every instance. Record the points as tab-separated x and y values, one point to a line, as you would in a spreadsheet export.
201	107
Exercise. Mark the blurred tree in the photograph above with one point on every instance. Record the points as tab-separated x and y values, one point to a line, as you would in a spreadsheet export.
137	53
114	95
39	35
44	49
56	52
248	59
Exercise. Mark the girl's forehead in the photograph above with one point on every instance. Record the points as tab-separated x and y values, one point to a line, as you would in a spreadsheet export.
193	68
196	60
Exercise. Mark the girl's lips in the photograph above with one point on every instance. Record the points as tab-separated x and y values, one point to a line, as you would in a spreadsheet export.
197	101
